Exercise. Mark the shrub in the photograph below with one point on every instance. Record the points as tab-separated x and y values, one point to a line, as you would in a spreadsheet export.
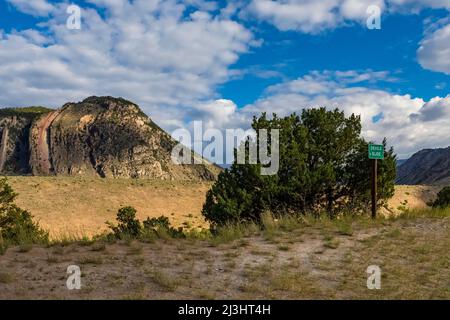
443	198
323	166
162	225
131	228
16	225
128	225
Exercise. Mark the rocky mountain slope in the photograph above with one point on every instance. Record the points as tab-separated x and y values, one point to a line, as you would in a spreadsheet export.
15	124
101	136
428	167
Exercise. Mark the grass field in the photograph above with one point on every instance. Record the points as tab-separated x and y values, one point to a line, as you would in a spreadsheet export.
79	206
291	258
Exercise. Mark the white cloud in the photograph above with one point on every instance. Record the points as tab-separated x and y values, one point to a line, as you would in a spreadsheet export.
409	123
417	5
167	56
33	7
217	113
434	50
437	109
312	16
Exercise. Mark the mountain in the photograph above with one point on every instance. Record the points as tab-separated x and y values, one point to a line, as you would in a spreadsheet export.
100	136
428	167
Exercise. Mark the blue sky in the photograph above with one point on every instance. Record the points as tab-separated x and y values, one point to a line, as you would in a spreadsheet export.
391	48
219	62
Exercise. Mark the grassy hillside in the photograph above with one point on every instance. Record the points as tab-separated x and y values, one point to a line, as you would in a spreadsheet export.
79	206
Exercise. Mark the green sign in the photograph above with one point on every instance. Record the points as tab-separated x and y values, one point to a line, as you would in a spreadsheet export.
376	151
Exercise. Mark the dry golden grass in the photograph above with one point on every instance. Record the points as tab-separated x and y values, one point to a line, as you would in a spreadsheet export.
74	207
79	206
411	197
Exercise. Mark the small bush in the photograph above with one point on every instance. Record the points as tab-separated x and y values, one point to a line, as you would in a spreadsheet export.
443	198
128	224
161	226
130	228
16	225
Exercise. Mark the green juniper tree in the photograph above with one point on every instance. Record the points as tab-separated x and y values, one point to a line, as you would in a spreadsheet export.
323	167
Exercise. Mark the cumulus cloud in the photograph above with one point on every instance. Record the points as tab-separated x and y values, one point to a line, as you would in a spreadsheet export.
33	7
434	50
169	56
165	55
408	123
437	109
217	113
417	5
311	16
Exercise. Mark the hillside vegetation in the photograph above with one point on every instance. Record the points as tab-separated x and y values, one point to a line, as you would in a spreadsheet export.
291	258
30	112
80	206
303	232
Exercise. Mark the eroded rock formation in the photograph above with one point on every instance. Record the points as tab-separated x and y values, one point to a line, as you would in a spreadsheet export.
104	136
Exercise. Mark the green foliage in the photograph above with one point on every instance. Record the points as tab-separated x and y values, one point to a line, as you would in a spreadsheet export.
162	224
16	225
28	112
128	225
443	198
323	167
131	228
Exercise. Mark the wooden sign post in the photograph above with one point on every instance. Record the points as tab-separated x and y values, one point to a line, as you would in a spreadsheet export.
374	188
376	152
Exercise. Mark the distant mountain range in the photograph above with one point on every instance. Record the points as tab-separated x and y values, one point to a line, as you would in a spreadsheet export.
427	167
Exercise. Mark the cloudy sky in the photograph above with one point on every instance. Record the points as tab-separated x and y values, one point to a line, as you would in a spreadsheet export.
223	62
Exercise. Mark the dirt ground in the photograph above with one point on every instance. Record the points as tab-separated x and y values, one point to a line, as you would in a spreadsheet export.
314	262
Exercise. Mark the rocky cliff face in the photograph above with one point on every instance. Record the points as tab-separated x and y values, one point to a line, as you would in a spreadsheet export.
15	126
103	136
428	166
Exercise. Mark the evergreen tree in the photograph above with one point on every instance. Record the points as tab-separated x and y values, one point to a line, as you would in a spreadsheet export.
324	166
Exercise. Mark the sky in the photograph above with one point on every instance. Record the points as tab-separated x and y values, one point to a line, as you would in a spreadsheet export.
223	62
